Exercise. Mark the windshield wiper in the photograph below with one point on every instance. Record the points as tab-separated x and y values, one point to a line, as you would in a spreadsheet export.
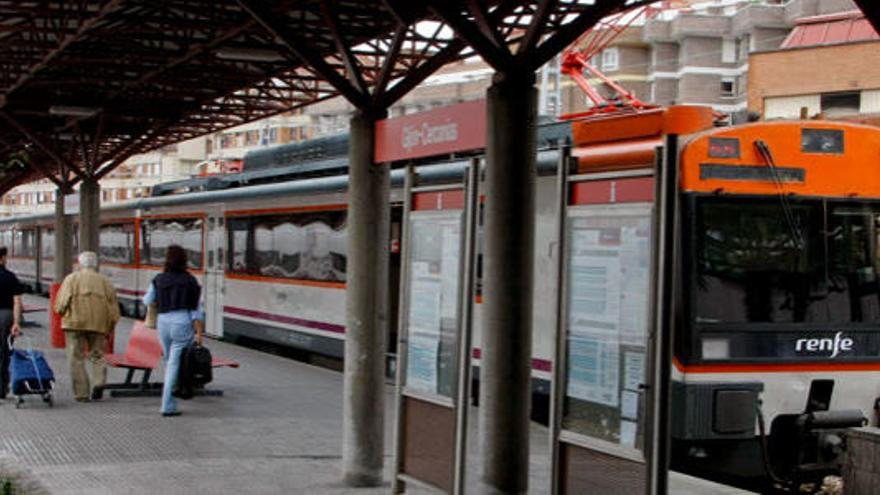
796	232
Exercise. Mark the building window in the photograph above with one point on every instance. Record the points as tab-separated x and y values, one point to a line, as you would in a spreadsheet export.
728	87
728	51
838	104
610	59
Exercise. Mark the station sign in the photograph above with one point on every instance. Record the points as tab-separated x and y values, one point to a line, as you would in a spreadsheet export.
456	128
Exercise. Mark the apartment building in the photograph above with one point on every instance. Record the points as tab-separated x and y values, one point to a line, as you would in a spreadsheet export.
785	83
699	54
230	146
132	179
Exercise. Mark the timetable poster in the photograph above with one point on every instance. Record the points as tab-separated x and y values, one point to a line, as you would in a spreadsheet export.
433	303
424	328
607	322
594	312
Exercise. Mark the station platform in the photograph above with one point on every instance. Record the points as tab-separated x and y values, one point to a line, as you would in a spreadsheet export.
276	429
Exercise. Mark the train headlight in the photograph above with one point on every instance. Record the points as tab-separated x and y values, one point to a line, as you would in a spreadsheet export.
716	348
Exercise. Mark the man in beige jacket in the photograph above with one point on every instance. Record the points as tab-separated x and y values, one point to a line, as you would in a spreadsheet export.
89	311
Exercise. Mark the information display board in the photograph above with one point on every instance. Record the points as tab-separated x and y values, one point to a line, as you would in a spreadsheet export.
434	348
607	322
432	313
603	407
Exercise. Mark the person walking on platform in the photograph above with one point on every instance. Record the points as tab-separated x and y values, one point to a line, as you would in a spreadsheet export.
89	312
176	293
10	316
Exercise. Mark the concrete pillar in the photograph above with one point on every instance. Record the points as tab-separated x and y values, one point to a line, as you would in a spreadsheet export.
509	232
63	239
366	309
89	214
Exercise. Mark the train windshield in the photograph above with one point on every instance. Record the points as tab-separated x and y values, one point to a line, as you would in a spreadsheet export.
775	260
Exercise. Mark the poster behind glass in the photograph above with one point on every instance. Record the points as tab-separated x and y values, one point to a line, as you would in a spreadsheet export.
433	302
607	323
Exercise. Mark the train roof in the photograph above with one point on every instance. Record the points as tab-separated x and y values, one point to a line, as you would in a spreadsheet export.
318	157
439	172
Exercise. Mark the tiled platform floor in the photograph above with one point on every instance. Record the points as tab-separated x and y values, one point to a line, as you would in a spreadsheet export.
277	429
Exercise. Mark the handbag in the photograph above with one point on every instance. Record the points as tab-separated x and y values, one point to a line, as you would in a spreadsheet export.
152	315
195	370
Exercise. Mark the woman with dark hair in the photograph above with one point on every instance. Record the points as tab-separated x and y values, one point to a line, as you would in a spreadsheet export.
176	293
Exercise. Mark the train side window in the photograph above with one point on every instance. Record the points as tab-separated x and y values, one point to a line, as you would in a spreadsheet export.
158	234
47	243
25	243
117	243
302	246
6	239
238	233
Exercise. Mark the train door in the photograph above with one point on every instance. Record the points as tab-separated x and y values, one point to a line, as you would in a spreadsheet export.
215	236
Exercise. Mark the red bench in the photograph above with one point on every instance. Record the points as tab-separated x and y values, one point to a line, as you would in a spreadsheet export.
143	353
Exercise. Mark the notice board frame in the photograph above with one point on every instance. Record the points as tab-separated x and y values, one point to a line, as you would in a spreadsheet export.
571	451
440	465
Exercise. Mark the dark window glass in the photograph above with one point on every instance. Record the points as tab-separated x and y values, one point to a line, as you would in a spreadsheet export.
817	264
158	234
822	141
304	246
117	243
25	243
755	263
853	231
47	243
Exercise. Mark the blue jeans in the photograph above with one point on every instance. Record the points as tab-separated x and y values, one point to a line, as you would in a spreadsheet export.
175	337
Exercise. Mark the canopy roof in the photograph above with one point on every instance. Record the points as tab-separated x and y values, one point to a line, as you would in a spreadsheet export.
85	84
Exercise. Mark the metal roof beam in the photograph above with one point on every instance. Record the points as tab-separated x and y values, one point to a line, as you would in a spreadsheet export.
38	142
107	8
533	34
498	56
351	65
390	61
284	35
414	77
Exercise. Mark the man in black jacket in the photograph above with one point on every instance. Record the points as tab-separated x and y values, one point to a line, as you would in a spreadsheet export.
10	316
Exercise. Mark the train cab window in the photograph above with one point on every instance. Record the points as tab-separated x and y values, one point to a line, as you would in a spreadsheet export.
24	244
117	243
758	262
812	262
158	234
47	243
854	261
303	246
